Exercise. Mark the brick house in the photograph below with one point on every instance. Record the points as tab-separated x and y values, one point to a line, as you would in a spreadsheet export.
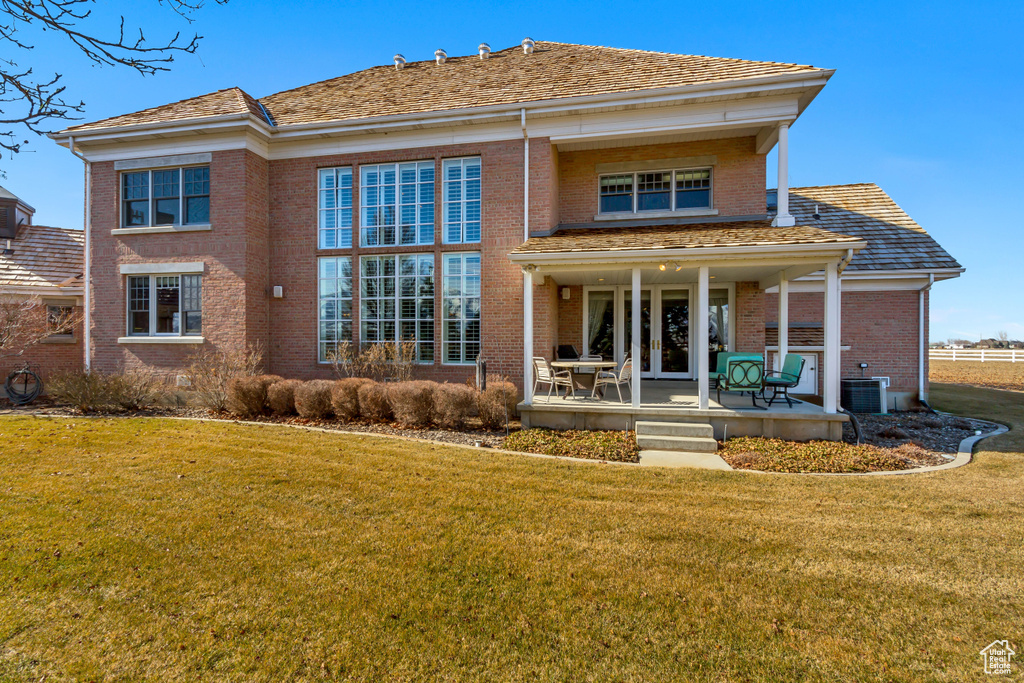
499	205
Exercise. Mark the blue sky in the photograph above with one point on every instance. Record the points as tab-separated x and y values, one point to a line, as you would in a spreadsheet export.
924	102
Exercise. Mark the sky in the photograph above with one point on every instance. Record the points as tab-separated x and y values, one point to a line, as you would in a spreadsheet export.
925	100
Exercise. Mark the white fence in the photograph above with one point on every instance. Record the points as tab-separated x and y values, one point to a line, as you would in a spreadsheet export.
983	355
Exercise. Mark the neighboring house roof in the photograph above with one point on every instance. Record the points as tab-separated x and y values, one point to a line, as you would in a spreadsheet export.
895	240
44	257
748	233
553	71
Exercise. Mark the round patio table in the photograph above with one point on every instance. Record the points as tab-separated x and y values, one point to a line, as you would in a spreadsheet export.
585	380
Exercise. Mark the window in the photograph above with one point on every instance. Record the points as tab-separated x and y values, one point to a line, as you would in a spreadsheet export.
335	208
60	320
335	305
165	305
396	301
461	200
165	196
655	191
461	308
397	202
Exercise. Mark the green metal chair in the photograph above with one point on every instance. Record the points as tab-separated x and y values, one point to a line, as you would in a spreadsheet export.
743	374
786	379
718	374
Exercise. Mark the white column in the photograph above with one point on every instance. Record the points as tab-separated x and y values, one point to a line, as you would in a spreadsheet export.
783	218
830	396
783	320
703	388
527	337
635	340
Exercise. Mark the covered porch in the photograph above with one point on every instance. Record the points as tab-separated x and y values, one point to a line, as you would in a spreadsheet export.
671	298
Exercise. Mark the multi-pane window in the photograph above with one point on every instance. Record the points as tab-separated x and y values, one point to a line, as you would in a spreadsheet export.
397	203
335	202
461	308
655	191
60	319
176	196
396	301
335	305
165	305
377	299
461	197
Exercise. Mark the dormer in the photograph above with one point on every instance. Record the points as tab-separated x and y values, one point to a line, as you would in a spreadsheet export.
13	214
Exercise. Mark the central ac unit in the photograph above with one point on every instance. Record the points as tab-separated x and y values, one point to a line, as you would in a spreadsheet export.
864	395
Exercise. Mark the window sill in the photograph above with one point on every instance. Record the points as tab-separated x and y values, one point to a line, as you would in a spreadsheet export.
161	228
60	339
633	215
160	340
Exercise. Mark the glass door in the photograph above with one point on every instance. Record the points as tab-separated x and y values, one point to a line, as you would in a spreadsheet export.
645	329
672	336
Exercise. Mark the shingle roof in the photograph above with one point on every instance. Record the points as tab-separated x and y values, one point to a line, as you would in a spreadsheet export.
43	257
553	71
895	240
691	236
800	334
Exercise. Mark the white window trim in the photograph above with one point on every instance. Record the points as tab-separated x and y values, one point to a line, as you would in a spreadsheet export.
440	282
351	299
444	212
192	227
353	228
162	268
398	244
167	339
673	212
142	229
398	301
158	337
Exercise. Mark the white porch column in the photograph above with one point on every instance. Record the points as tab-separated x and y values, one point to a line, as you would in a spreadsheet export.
703	388
830	397
528	335
782	217
634	351
783	320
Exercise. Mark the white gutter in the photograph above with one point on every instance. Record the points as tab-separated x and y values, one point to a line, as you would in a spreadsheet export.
87	227
922	395
526	176
683	253
527	276
846	261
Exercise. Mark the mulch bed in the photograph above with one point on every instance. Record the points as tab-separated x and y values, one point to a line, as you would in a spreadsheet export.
934	432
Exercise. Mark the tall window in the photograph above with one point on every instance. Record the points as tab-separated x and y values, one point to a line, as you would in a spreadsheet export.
397	202
165	305
335	304
461	200
461	308
335	204
655	191
177	196
396	301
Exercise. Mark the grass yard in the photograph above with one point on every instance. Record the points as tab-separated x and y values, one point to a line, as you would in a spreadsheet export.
161	550
994	374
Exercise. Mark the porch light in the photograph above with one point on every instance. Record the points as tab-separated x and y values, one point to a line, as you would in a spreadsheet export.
678	267
661	267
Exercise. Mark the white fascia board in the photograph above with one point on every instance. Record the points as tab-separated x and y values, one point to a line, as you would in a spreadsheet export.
696	254
166	128
198	144
161	268
878	280
43	291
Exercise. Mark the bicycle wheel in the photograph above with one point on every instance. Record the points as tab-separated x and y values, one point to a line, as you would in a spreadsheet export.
23	386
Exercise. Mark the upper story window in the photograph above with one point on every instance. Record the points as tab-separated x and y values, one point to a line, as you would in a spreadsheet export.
397	204
655	191
165	305
176	196
461	200
335	208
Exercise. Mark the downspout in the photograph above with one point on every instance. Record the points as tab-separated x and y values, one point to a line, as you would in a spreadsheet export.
526	176
921	341
527	276
845	262
87	227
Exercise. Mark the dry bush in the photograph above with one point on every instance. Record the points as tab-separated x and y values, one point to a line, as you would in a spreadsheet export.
132	389
345	397
209	372
497	404
86	391
379	362
281	396
247	395
413	402
453	405
313	399
373	402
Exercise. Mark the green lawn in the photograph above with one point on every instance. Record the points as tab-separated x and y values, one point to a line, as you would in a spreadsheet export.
164	550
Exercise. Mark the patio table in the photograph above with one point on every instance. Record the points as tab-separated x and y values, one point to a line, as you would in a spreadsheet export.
585	380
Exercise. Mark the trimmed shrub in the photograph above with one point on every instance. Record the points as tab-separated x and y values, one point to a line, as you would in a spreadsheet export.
497	404
281	396
453	404
373	402
413	402
313	399
86	391
247	395
345	397
209	371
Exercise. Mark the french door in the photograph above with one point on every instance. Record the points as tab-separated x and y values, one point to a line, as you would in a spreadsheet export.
665	336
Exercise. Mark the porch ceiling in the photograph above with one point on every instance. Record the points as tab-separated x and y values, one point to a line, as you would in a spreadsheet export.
652	275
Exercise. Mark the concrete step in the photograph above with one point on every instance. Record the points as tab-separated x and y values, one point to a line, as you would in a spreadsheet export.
703	461
662	442
675	429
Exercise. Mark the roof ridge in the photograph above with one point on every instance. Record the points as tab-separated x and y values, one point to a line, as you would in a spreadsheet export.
679	54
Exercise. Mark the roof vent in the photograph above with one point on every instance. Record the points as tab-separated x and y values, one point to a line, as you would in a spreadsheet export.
817	216
399	61
528	46
485	50
440	55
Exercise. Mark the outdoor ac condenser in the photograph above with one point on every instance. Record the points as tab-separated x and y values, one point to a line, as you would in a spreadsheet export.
864	395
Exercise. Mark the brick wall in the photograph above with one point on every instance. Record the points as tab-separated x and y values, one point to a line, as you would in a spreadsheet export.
738	177
749	317
56	354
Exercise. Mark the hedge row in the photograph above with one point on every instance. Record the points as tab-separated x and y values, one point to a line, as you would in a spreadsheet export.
411	404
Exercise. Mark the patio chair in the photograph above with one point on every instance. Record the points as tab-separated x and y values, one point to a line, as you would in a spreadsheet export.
625	376
786	379
742	375
543	373
722	365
